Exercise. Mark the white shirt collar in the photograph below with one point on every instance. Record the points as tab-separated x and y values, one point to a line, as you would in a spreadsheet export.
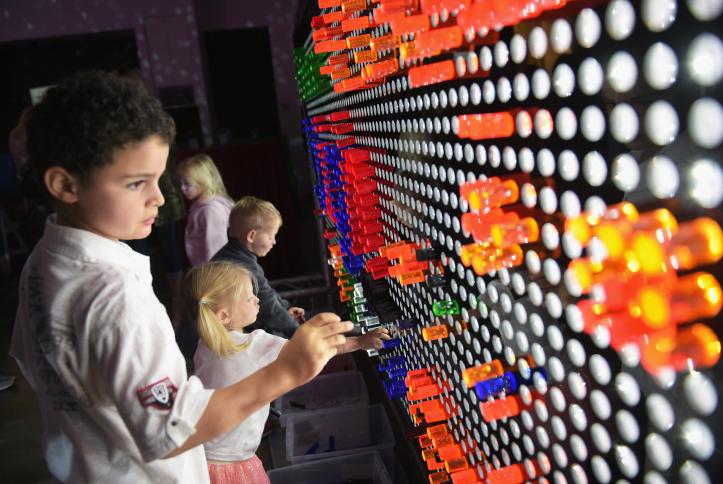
88	247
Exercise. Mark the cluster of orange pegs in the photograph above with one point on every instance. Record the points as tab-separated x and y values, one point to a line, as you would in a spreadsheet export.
636	295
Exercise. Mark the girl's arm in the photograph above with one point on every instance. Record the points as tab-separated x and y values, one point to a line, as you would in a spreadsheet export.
367	341
302	358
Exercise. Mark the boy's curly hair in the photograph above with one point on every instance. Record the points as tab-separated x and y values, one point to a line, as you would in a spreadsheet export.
84	119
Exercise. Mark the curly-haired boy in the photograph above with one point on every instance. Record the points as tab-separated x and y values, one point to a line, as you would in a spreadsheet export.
90	336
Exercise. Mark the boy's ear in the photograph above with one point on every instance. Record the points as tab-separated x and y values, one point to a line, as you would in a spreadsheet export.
250	236
61	184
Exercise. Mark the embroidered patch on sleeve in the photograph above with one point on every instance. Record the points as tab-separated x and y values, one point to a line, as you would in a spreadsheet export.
160	394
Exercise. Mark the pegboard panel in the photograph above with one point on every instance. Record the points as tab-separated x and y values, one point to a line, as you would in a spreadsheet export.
527	194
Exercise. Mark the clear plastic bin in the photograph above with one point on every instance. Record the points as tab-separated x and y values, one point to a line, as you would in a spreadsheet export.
339	431
367	468
325	391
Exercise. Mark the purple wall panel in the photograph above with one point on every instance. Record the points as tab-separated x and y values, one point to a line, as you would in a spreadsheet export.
166	35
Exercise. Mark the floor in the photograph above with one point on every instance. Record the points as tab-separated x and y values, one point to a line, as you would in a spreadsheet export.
20	425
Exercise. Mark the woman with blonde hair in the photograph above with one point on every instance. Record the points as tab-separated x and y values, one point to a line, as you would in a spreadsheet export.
220	296
207	223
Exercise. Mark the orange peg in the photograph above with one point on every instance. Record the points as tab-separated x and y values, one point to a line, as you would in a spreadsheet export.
442	440
365	56
431	73
326	70
329	46
471	251
357	23
698	242
511	474
425	441
341	73
389	41
696	296
455	465
349	84
350	6
411	278
434	42
479	224
490	193
422	392
580	226
500	258
407	51
409	25
439	6
647	255
435	332
509	406
326	33
380	69
428	454
486	126
476	374
693	347
677	301
651	305
438	478
358	41
329	3
437	431
332	17
337	59
449	452
698	344
467	476
524	231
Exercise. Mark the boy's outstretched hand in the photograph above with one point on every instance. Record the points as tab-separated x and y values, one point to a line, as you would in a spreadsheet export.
312	346
367	341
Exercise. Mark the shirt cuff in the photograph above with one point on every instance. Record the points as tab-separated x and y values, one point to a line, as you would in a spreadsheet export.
191	401
190	404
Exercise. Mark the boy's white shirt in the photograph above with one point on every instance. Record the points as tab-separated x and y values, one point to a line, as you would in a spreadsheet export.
98	348
217	372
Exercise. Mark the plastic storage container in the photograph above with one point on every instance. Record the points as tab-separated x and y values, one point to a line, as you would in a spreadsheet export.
339	431
325	391
367	468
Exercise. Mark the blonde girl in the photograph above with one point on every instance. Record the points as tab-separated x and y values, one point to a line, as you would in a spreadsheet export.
207	223
221	297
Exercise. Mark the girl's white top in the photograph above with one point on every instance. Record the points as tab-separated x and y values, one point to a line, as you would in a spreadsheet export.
217	372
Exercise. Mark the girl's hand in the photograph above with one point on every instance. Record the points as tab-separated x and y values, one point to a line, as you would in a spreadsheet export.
372	339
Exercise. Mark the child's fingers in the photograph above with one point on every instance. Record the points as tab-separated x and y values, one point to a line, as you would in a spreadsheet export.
335	340
322	319
333	328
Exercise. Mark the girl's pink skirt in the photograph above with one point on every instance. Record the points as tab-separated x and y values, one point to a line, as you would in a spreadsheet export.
249	471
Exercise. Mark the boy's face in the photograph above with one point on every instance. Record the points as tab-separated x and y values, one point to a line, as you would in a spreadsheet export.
261	241
190	189
120	201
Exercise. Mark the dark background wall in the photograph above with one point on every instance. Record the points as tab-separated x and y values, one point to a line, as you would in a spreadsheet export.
222	68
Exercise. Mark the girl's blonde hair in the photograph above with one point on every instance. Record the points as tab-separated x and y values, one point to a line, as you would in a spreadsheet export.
210	287
202	170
